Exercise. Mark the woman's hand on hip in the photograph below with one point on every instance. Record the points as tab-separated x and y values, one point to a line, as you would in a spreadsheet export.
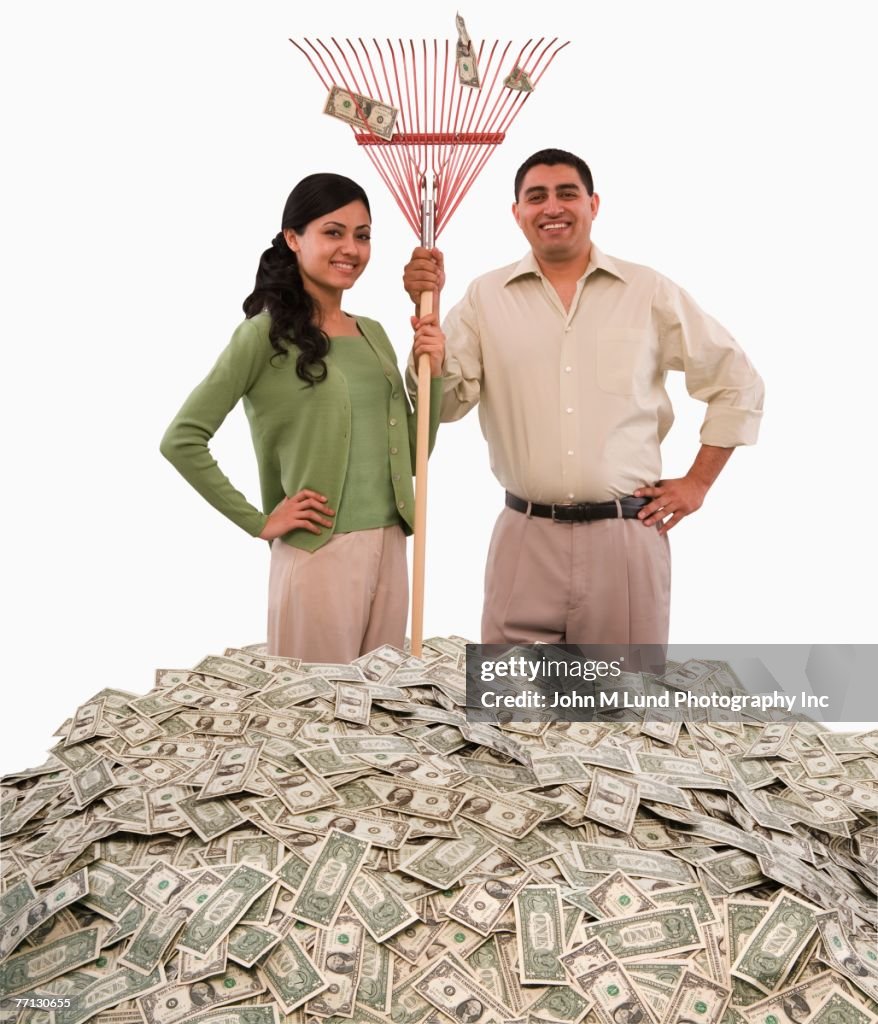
306	510
429	341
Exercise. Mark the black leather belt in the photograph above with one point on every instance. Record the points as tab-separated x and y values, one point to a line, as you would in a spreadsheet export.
586	512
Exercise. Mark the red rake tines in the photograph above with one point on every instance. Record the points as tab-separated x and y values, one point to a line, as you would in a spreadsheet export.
428	135
442	126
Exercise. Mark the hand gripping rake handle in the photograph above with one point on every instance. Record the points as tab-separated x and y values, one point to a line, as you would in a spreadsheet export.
425	306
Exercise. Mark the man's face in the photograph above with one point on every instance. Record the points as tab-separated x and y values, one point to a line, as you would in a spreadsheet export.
555	212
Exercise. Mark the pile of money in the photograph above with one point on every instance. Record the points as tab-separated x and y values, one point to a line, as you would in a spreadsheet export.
259	841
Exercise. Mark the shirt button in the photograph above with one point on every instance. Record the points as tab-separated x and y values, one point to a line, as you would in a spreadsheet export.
396	476
567	369
569	409
394	451
395	394
392	421
400	504
570	496
570	452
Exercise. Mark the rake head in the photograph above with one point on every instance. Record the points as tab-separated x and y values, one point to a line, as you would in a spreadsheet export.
417	120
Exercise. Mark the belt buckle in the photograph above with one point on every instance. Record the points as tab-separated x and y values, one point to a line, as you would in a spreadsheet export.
557	505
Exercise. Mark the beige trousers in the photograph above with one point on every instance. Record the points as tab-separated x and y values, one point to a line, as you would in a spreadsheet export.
340	601
605	582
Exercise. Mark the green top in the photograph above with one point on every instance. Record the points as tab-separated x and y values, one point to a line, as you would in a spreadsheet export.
367	499
301	433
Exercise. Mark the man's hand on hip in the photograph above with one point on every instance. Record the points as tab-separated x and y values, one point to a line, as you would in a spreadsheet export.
675	498
678	498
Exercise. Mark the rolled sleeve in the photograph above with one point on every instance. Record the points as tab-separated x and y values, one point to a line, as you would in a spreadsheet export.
716	369
462	379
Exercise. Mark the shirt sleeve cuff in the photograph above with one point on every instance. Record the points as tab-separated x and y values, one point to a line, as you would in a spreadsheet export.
729	428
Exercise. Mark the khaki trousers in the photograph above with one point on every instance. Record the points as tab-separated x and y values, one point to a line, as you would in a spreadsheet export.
604	582
340	601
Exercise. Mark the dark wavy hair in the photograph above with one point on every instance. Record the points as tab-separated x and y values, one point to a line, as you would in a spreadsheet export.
279	288
551	158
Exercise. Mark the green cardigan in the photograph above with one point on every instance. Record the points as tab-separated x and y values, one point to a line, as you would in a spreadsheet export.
301	433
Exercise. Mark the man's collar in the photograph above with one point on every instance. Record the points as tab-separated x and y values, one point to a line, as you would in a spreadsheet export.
597	261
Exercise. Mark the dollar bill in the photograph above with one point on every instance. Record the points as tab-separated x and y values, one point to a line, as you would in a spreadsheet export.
31	969
380	909
300	791
481	905
838	1008
215	725
518	80
209	818
362	112
499	814
615	995
233	671
248	943
796	1003
594	857
618	896
664	932
85	723
216	917
232	771
34	914
467	65
151	940
262	1014
449	986
339	959
442	861
700	998
839	953
612	800
773	946
329	878
159	885
540	934
424	801
291	976
178	1002
353	703
93	781
120	986
373	987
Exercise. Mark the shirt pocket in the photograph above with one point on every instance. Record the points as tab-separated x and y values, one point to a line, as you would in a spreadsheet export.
623	364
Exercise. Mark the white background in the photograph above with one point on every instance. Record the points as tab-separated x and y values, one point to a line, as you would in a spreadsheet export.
149	152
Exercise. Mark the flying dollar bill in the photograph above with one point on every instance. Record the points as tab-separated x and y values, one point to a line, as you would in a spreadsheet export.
362	112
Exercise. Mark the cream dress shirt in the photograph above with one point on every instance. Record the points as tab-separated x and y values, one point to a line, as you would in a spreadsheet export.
573	403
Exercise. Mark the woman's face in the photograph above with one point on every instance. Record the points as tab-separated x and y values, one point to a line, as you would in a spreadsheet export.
334	249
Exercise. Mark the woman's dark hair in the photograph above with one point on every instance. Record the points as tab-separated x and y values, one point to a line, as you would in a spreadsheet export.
279	288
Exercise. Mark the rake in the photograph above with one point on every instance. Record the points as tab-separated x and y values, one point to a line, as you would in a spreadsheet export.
429	115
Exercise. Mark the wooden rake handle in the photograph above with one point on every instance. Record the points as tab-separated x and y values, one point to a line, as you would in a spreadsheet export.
425	307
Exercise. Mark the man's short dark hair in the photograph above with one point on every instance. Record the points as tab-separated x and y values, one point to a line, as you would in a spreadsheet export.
552	157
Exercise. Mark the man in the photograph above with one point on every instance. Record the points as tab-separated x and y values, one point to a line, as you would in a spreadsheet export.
566	351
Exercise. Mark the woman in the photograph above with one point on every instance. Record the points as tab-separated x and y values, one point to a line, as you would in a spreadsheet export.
332	429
